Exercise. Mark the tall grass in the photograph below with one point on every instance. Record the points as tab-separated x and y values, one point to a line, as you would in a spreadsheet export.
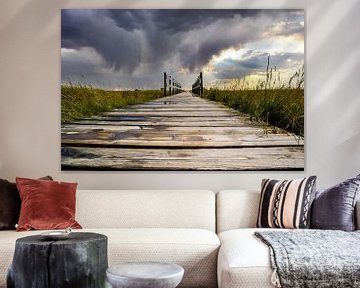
271	101
78	101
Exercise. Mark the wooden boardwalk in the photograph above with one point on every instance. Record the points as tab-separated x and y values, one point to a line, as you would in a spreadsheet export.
178	132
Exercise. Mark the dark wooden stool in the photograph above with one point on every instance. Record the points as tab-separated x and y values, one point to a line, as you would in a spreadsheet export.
78	261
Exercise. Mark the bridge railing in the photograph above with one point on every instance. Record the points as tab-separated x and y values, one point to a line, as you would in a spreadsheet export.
171	85
198	86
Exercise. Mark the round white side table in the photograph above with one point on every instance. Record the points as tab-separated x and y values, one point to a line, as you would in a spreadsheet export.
145	275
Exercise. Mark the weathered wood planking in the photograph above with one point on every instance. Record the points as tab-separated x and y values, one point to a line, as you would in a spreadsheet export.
276	158
163	137
178	132
239	120
184	117
170	113
162	122
74	129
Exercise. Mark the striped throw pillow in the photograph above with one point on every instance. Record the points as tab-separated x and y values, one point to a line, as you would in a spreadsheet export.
286	204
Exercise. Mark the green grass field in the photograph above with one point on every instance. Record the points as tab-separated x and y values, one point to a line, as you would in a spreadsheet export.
79	101
272	102
283	108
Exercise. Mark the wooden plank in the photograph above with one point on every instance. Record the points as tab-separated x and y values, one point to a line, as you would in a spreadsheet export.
183	105
159	117
173	113
72	131
187	104
160	110
174	122
168	138
156	116
272	158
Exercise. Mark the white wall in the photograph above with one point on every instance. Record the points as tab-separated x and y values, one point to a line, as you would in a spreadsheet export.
30	95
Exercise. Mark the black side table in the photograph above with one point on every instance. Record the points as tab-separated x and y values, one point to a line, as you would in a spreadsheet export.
79	261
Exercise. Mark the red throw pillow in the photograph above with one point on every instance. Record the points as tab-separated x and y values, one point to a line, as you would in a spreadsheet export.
46	204
10	204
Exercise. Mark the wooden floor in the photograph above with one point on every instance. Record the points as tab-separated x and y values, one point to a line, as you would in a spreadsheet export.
178	132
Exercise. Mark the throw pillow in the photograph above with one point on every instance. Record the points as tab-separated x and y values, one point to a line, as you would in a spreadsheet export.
10	203
46	204
286	204
334	208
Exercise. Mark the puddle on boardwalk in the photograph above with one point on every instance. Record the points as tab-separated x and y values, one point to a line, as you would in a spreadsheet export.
127	118
80	135
76	153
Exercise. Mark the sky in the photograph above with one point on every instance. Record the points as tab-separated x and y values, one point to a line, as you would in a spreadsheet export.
131	49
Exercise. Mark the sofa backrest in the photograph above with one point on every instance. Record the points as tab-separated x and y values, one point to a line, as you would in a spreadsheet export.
146	209
236	209
239	209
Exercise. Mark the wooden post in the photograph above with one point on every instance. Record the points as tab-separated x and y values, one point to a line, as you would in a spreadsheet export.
170	85
198	86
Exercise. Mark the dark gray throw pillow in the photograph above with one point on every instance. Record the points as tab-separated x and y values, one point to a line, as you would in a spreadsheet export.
334	208
10	204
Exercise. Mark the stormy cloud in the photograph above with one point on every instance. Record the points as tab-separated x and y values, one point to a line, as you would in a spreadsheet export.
254	61
132	48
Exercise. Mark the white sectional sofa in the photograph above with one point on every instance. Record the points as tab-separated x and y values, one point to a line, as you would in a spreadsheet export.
177	226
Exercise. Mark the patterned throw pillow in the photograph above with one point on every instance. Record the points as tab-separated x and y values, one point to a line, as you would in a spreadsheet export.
286	204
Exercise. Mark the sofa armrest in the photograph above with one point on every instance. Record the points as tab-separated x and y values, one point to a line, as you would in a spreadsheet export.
357	215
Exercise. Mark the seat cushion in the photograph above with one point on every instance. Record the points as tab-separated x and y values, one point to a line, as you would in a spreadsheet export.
196	250
244	261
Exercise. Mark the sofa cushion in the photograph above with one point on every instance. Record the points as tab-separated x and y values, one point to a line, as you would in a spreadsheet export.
196	250
46	204
146	209
244	260
286	204
334	208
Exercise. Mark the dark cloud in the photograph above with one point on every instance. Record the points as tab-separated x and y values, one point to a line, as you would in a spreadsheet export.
138	42
128	19
180	20
71	31
121	49
255	62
